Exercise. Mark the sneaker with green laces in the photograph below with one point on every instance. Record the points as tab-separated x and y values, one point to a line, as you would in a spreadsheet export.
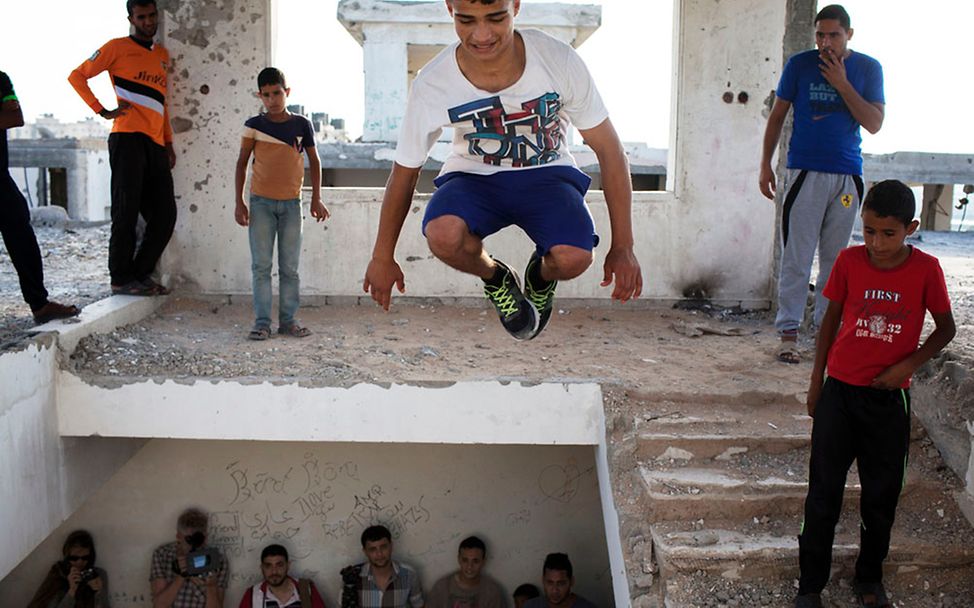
517	315
540	298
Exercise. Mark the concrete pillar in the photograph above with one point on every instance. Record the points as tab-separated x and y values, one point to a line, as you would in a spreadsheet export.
79	207
937	206
723	77
217	49
386	86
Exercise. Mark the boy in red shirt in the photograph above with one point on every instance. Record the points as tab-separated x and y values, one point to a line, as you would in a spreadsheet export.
878	295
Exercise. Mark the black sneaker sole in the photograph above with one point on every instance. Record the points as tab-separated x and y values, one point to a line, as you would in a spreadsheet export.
531	330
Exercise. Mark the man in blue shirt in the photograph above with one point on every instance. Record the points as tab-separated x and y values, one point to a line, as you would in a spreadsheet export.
833	91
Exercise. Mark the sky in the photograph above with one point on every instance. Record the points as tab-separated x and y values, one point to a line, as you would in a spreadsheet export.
923	52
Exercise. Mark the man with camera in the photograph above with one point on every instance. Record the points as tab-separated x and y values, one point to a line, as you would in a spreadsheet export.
187	573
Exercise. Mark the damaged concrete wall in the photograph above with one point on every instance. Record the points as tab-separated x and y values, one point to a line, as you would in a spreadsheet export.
316	498
721	228
711	236
43	478
217	49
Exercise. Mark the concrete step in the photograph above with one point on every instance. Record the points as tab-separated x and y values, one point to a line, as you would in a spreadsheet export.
692	494
691	447
689	432
745	482
946	588
686	432
930	533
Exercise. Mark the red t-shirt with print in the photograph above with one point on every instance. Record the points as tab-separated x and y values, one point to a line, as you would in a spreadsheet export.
882	311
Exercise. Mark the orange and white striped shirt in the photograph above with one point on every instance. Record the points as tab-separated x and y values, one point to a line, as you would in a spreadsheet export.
139	76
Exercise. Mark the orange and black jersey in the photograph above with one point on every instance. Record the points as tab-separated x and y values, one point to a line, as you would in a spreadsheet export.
139	75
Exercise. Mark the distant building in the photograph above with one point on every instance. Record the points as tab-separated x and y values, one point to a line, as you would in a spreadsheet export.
63	164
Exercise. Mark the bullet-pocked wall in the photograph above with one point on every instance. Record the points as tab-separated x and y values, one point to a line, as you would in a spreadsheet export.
216	49
316	498
711	235
720	228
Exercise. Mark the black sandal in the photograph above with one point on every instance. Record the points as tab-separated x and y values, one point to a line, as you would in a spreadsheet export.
133	288
259	333
294	330
158	289
871	595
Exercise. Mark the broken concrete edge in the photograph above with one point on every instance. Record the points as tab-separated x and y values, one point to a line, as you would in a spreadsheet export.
956	445
610	515
99	317
966	503
562	303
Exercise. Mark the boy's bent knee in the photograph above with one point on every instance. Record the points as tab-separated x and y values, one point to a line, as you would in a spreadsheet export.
446	235
567	262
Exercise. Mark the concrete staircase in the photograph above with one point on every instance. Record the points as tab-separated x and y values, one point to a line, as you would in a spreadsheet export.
712	496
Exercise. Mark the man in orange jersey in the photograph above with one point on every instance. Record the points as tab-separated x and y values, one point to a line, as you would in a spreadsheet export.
140	148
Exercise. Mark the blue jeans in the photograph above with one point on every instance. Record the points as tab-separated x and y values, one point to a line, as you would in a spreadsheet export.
270	218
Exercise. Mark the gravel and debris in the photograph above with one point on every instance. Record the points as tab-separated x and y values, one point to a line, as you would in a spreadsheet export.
75	261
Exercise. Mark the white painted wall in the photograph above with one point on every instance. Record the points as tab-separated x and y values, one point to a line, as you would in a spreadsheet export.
334	254
465	412
43	478
525	501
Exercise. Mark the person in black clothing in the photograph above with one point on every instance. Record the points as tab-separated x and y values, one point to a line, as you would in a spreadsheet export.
74	581
18	235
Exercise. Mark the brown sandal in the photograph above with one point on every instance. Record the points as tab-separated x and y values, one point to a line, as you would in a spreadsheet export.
158	289
259	333
294	330
53	310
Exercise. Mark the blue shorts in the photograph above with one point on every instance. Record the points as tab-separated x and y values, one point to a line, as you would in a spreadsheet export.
548	203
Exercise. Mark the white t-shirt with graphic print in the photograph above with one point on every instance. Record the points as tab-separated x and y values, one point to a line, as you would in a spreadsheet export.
523	126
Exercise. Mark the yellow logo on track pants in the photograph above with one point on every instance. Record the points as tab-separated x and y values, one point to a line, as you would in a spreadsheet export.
846	200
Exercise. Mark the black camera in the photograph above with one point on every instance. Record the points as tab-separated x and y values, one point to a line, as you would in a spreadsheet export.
201	561
88	574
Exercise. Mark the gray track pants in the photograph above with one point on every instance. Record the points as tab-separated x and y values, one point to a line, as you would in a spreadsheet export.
819	210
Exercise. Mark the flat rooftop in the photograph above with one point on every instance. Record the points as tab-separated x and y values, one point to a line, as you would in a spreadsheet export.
420	343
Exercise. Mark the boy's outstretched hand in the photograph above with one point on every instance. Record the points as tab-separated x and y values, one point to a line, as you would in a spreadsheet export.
622	264
380	276
319	211
241	214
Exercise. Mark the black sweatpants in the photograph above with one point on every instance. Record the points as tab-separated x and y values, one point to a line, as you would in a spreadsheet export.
21	244
141	185
872	427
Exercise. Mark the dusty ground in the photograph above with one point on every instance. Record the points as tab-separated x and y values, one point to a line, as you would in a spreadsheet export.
431	343
648	350
75	272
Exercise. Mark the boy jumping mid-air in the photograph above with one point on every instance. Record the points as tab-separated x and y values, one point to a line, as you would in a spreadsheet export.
511	97
878	296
